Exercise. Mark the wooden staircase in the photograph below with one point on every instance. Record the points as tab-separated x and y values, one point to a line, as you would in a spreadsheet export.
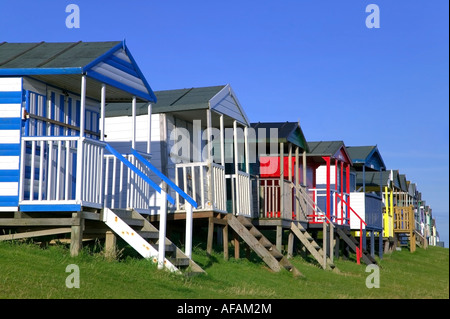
261	245
144	237
345	234
312	246
421	241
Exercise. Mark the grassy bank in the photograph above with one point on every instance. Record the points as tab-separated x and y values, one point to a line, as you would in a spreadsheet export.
28	271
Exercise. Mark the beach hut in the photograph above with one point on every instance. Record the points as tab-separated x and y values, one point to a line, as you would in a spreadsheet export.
281	167
53	154
195	136
332	182
367	198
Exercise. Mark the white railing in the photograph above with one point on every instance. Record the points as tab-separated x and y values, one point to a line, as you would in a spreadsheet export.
275	203
219	187
204	182
124	189
53	171
243	194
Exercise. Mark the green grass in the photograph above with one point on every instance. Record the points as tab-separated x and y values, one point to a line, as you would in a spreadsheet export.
28	271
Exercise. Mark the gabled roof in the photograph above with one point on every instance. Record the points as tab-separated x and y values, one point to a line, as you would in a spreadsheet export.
190	104
185	99
62	63
287	132
333	149
403	183
368	156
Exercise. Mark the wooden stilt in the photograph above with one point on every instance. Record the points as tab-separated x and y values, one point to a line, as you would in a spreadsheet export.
291	242
225	242
110	245
76	235
279	240
209	243
236	246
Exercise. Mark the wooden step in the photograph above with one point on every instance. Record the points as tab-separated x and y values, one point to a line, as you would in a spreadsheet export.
148	234
353	244
311	245
179	262
255	232
262	247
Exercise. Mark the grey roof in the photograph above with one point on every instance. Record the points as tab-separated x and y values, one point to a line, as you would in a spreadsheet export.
185	99
190	104
368	156
287	132
51	55
328	148
360	153
169	101
373	178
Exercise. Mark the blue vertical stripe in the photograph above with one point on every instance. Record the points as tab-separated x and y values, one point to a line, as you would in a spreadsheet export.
69	114
61	113
52	114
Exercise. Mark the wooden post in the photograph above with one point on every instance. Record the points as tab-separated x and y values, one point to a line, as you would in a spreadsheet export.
222	141
209	134
236	245
236	168
279	239
209	243
291	243
149	137
380	244
304	167
372	243
76	236
110	245
133	115
225	242
102	110
337	247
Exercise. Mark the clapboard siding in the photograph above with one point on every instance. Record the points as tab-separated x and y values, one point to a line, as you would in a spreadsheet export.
10	133
228	107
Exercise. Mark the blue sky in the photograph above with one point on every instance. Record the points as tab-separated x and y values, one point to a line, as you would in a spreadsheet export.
310	61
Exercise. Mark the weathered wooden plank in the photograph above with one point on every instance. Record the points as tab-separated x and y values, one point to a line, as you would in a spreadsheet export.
38	233
37	222
90	215
225	242
209	242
